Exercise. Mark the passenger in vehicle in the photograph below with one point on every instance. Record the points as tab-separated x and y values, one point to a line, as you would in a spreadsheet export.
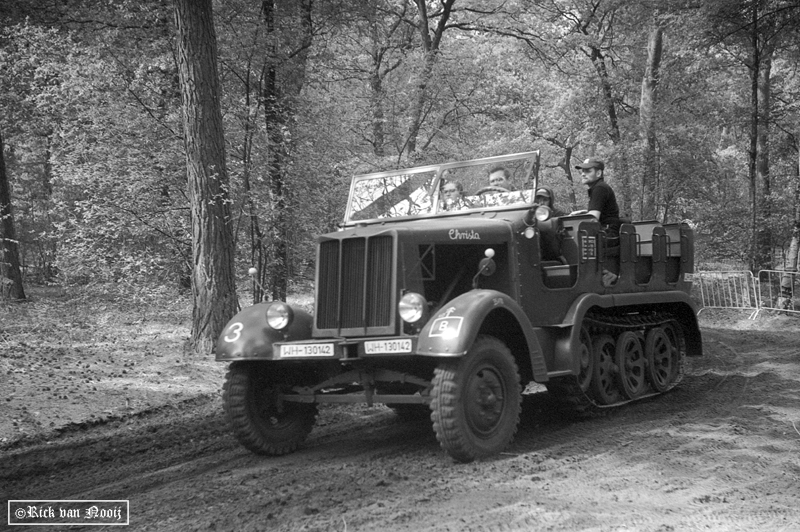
452	196
499	176
602	200
603	206
545	196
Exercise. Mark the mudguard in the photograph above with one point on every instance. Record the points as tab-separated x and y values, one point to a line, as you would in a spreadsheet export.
247	335
452	330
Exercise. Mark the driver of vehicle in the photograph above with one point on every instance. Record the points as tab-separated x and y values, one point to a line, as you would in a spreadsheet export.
500	177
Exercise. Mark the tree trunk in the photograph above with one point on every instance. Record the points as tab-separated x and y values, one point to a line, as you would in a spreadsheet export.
573	201
283	80
622	187
257	251
378	118
790	264
376	85
566	164
10	273
754	116
213	280
648	209
430	47
762	156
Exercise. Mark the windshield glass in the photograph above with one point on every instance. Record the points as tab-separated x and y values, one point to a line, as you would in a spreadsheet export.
494	182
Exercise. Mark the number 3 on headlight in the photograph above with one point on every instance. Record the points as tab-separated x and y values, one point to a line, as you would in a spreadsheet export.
234	332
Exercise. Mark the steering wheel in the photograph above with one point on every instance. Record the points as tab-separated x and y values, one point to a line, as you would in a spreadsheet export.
491	188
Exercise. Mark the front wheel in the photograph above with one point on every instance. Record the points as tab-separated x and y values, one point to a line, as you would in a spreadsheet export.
477	401
260	421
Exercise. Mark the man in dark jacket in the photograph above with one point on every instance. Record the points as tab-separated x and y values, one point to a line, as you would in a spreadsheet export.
603	206
602	201
545	196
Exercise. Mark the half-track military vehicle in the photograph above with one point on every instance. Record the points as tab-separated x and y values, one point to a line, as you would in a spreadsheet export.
452	307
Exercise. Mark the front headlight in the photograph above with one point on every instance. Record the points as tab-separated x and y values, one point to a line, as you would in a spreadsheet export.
279	315
412	307
543	213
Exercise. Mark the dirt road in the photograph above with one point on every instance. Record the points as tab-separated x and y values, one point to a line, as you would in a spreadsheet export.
721	452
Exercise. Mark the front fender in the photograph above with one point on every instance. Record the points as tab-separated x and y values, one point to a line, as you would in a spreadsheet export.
454	328
247	335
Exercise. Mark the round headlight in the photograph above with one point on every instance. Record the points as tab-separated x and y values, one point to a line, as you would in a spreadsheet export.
279	315
543	213
412	307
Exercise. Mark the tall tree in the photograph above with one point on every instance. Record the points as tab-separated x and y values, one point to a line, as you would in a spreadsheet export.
752	31
790	264
381	38
430	41
284	77
762	166
647	121
9	246
213	280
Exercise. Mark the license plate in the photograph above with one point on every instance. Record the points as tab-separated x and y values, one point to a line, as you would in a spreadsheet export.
306	350
387	346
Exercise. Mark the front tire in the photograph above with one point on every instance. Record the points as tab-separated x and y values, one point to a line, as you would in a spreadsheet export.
477	401
262	423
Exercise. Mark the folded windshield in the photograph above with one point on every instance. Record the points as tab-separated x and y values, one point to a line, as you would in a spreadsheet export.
494	182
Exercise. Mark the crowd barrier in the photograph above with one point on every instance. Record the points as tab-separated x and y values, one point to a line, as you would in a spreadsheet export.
729	289
771	290
777	289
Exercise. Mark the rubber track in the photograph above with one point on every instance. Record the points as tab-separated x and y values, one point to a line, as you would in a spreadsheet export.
568	391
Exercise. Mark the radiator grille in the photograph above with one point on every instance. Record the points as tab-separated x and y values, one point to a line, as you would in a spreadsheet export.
355	284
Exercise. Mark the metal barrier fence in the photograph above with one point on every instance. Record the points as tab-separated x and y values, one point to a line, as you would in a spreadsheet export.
778	290
730	289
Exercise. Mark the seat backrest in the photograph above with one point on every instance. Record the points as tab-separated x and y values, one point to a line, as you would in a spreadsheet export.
673	240
644	234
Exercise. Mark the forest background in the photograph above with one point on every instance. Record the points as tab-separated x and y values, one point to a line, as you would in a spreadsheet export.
692	104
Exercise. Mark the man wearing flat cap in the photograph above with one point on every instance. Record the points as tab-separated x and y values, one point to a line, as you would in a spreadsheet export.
602	201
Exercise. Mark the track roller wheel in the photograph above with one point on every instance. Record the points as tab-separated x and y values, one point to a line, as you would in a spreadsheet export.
603	383
586	360
662	351
631	363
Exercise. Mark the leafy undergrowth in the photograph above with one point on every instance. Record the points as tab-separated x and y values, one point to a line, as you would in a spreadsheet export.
97	354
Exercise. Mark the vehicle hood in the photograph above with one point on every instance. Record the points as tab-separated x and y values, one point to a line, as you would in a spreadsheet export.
476	228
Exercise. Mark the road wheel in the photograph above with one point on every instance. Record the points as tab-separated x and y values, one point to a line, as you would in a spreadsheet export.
604	386
586	360
477	401
631	363
662	354
262	423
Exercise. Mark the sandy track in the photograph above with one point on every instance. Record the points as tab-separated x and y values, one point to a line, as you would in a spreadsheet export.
721	452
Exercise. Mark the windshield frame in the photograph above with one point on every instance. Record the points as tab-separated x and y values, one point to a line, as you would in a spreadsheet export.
529	161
